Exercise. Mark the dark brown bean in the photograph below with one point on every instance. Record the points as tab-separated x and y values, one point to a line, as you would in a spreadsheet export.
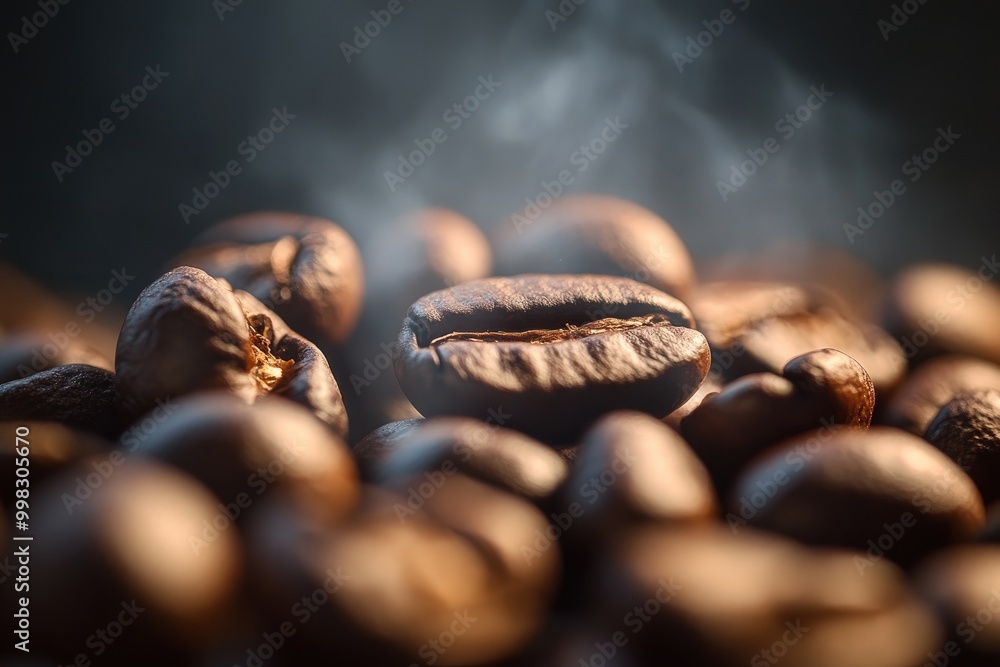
552	353
378	445
932	384
441	447
939	309
132	549
590	233
188	332
307	270
241	452
76	395
820	388
883	491
967	429
704	596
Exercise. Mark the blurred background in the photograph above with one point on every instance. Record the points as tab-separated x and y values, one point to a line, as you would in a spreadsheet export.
689	106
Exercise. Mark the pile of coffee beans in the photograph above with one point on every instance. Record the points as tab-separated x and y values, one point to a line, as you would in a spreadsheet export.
591	451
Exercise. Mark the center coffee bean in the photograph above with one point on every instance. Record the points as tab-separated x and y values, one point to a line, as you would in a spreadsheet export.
548	355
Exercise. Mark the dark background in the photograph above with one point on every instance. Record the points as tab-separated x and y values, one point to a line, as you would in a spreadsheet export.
120	207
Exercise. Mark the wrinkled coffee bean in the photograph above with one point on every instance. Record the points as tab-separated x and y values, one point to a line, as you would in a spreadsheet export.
271	445
588	233
938	309
759	327
820	388
27	354
76	395
383	587
883	491
307	270
439	448
52	448
963	584
631	467
967	429
706	597
188	332
138	547
552	353
932	384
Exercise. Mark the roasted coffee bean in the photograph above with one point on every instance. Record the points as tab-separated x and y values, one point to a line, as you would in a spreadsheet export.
188	332
547	355
387	592
76	395
968	430
936	309
27	354
820	388
51	448
378	445
857	288
307	270
932	384
439	448
632	467
138	548
711	385
963	584
754	328
240	452
706	597
882	491
589	233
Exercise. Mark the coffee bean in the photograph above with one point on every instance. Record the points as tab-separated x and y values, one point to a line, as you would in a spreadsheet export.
963	584
938	309
820	388
241	452
436	449
75	395
932	384
307	270
967	429
140	550
378	445
712	385
27	354
883	491
587	233
630	467
704	596
547	355
189	332
386	591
